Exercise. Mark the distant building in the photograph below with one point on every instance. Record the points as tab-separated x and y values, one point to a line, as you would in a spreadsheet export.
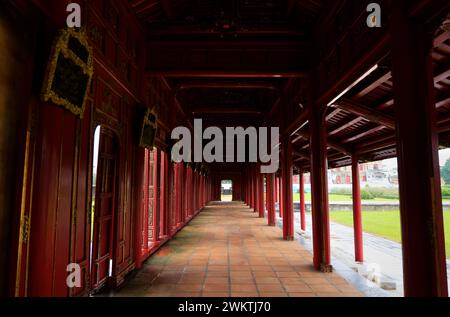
372	174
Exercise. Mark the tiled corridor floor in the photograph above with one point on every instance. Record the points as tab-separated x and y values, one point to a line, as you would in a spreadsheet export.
228	251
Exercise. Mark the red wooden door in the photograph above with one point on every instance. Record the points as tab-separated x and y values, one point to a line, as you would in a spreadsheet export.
173	201
105	203
151	203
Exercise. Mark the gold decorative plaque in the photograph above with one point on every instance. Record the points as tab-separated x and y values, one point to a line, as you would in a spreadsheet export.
148	129
69	71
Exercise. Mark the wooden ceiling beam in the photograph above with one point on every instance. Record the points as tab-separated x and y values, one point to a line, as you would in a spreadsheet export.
334	113
226	74
377	83
364	134
366	112
226	111
331	143
345	126
218	85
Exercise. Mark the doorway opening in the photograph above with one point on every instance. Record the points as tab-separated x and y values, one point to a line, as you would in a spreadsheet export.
104	193
226	190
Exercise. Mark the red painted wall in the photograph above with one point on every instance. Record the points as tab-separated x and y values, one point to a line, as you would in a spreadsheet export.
59	224
60	165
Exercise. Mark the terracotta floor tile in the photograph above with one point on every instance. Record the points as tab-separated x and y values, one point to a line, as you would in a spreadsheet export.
218	274
273	294
242	280
228	251
194	274
298	288
189	288
302	295
244	274
264	274
243	288
267	280
186	294
244	295
324	288
216	294
261	268
218	268
319	294
287	274
270	288
174	268
217	280
240	268
292	281
218	262
315	280
161	288
283	268
158	294
195	268
216	288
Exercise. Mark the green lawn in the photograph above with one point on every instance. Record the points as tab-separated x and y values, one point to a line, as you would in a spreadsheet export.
337	198
346	198
385	224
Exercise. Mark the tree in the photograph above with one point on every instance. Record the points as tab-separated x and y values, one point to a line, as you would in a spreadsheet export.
445	172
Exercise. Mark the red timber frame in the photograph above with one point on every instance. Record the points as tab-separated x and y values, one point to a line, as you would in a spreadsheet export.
357	213
271	199
149	222
301	187
262	206
280	196
52	208
287	170
319	190
424	260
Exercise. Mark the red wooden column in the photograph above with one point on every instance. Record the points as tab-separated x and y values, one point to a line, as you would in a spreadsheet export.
255	190
266	180
158	194
166	197
288	202
188	190
183	192
357	216
319	190
424	264
252	192
141	158
280	196
198	190
195	192
271	197
262	208
247	187
201	191
277	197
302	200
245	180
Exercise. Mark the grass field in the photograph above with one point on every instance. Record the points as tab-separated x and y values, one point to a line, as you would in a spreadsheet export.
385	224
346	198
337	198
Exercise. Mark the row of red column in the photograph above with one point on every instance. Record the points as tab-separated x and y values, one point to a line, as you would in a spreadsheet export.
424	261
